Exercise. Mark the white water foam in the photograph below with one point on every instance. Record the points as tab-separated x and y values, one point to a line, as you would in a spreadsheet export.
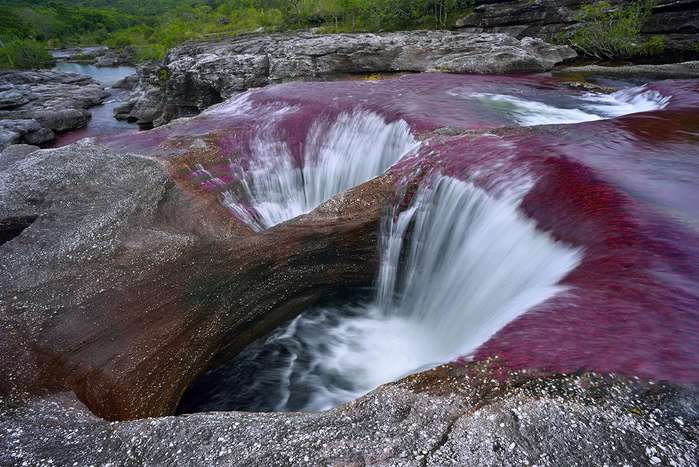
589	107
338	155
456	267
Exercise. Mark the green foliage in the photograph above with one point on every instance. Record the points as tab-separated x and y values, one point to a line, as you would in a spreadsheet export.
609	34
151	27
23	54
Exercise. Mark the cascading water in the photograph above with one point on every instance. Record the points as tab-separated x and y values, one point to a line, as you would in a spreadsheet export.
337	155
456	266
593	106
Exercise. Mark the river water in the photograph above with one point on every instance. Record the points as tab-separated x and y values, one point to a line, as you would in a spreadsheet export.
470	253
102	122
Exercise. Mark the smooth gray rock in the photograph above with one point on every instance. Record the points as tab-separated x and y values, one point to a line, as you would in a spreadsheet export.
8	137
42	135
198	74
127	82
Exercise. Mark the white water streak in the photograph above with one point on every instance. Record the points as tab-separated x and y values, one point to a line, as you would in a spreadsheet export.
456	267
338	155
593	106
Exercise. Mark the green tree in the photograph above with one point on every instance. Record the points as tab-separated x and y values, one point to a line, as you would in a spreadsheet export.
611	34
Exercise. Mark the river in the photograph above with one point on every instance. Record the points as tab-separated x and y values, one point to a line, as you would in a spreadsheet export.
102	122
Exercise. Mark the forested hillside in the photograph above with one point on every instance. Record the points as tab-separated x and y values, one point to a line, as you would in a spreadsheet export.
153	26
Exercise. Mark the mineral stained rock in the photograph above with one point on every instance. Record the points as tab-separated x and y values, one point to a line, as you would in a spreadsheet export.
197	74
121	275
124	278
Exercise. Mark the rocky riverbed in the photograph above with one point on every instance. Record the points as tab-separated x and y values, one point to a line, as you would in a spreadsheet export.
132	264
36	105
198	74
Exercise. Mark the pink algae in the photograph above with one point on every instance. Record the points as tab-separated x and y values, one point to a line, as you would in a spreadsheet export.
624	190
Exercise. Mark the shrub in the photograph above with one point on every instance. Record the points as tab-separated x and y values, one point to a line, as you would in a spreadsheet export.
24	54
608	34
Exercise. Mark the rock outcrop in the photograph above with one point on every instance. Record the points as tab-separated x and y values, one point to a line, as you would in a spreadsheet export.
101	231
198	74
445	417
95	55
676	20
35	105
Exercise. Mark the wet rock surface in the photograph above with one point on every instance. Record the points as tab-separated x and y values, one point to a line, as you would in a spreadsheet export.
126	279
35	105
449	416
198	74
84	285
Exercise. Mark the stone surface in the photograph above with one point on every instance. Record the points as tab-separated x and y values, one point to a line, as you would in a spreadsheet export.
107	229
684	69
95	55
198	74
15	152
12	98
448	416
123	279
677	20
39	103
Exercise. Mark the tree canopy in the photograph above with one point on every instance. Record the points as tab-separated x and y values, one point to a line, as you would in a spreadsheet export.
153	26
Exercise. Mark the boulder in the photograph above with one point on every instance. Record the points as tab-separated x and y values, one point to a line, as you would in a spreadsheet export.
15	153
127	82
39	103
198	74
676	20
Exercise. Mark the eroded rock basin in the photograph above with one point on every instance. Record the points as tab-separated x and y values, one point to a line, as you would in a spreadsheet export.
150	259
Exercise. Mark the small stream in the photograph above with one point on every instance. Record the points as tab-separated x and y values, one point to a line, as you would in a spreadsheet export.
102	122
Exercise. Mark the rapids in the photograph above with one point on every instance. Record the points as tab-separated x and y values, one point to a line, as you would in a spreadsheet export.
550	227
457	265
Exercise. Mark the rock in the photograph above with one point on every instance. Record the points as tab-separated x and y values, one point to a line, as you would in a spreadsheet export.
108	222
448	416
15	153
7	137
95	55
127	82
675	70
43	135
198	74
10	99
40	103
676	20
125	279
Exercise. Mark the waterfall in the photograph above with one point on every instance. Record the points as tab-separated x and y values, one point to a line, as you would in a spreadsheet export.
337	155
456	266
